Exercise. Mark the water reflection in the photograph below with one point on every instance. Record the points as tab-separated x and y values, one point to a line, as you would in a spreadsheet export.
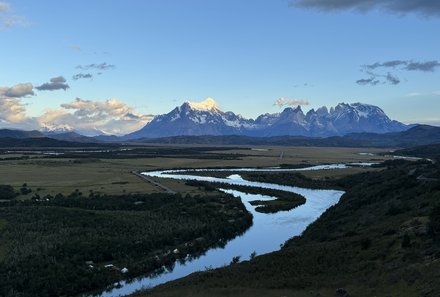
267	234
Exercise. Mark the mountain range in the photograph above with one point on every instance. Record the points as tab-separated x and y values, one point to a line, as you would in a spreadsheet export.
353	124
414	136
206	118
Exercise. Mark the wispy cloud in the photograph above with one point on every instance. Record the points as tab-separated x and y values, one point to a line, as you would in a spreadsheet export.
394	65
8	19
392	79
419	94
429	66
376	79
280	102
102	66
4	7
422	7
55	83
75	47
302	85
368	81
409	65
82	76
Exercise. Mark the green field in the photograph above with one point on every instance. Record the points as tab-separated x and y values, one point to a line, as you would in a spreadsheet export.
114	175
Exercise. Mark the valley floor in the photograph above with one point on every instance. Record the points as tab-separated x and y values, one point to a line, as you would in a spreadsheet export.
381	239
374	242
111	173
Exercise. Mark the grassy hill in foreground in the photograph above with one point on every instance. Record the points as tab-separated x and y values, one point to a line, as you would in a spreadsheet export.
380	240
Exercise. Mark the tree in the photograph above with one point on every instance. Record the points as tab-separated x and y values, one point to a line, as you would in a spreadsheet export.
253	255
235	260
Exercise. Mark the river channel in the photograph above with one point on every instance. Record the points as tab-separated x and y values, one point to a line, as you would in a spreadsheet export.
267	233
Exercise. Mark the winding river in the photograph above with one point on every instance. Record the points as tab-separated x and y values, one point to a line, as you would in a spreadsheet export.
267	234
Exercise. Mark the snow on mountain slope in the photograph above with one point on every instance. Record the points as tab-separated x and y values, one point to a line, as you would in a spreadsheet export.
206	118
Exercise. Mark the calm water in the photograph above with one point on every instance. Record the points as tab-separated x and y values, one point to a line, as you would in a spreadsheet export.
267	234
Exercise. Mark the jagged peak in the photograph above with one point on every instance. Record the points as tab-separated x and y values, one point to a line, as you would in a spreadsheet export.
208	104
322	110
298	108
292	110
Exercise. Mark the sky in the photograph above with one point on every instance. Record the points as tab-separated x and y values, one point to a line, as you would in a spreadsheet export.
111	65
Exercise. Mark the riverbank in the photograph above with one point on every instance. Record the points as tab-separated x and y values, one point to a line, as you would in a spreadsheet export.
278	227
374	242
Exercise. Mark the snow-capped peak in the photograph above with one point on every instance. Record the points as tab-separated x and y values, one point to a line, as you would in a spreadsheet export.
55	128
207	105
205	118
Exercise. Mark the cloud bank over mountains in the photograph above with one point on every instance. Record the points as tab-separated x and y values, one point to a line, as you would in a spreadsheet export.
92	117
282	102
86	116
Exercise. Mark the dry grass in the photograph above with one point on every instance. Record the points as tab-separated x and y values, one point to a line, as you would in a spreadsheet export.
113	176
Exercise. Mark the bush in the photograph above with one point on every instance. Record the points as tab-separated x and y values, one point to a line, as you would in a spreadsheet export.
406	241
7	192
434	223
365	243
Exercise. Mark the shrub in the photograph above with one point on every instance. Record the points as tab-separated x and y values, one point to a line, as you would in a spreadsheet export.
434	223
7	192
406	241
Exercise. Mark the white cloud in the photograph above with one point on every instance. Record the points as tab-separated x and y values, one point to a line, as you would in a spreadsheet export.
89	117
12	110
17	91
290	102
84	116
418	94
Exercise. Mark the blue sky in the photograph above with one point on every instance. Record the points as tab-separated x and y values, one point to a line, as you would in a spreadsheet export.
245	54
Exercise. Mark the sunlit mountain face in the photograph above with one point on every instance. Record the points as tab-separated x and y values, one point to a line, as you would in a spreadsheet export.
206	118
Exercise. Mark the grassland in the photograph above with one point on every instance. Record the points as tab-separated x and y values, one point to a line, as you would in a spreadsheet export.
113	175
